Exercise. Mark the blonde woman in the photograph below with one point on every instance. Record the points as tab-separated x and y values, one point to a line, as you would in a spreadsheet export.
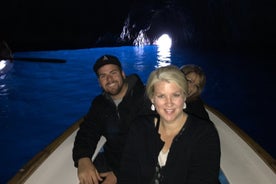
170	147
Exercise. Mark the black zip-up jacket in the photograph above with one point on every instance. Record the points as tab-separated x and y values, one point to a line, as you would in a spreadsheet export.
104	118
196	108
194	156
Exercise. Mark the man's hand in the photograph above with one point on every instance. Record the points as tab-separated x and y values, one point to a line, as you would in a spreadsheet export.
109	178
87	172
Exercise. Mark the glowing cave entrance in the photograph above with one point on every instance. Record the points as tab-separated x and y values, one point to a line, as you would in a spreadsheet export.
164	41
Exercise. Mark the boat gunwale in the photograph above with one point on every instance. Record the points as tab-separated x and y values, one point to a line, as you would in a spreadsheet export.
31	166
262	153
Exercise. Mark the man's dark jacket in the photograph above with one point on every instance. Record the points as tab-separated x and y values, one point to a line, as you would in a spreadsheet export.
105	119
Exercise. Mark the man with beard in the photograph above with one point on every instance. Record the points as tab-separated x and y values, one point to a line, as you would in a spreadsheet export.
110	115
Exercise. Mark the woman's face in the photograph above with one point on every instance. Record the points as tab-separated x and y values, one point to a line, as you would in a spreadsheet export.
193	83
168	99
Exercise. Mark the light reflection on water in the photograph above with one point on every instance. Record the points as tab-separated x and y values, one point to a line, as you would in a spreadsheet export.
163	56
3	95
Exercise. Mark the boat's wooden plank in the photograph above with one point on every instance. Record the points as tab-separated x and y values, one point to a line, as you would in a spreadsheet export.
26	171
242	160
54	164
59	165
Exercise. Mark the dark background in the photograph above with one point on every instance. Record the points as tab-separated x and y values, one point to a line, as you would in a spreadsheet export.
204	24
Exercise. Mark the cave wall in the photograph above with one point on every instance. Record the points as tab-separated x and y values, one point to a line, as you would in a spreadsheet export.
36	25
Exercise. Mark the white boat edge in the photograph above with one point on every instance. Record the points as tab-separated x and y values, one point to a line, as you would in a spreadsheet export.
242	159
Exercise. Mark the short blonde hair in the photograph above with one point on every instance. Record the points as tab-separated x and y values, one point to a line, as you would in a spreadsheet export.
168	73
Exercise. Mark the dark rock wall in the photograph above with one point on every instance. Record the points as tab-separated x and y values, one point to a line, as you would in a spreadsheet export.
60	24
209	24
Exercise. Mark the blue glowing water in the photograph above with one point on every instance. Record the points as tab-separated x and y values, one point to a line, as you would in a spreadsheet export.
38	101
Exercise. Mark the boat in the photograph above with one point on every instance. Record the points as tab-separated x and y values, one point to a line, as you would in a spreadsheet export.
7	58
242	159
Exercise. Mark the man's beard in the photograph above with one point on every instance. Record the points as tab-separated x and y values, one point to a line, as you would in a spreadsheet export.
114	92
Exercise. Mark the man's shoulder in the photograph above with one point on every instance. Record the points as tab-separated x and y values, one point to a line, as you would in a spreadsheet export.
135	85
133	80
133	76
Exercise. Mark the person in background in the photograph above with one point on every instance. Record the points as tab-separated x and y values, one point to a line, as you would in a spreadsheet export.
196	79
110	115
170	147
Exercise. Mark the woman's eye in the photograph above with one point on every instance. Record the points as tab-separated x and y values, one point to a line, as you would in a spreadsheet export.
176	95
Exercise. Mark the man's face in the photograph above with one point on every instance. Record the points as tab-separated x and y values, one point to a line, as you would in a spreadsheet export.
111	79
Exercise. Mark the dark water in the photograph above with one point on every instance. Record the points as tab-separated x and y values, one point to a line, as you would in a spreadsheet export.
38	101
